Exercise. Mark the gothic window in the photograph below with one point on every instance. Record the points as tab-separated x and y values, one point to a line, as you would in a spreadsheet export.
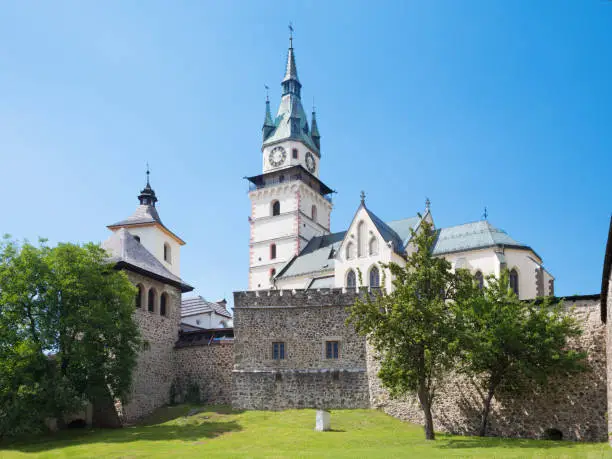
361	239
332	349
479	278
167	253
163	304
350	251
373	246
151	301
139	295
313	212
275	208
514	281
278	350
351	279
294	153
272	251
374	277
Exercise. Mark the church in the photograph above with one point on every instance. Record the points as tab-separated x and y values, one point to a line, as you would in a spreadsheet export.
291	243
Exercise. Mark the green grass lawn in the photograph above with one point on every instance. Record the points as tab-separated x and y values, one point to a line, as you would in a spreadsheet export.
219	432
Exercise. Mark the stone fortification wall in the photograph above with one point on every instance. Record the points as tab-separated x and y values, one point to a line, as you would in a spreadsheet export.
575	405
304	321
209	366
156	362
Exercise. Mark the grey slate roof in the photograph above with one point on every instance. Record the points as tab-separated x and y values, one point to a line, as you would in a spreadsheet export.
473	236
317	256
126	251
143	214
291	105
399	233
198	305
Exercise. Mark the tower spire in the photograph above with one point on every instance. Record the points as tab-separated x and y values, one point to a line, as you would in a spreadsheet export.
314	128
147	195
291	83
268	126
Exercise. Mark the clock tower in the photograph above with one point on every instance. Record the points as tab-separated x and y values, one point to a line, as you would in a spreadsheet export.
289	203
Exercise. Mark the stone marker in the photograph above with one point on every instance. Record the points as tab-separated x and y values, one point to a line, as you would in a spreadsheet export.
323	421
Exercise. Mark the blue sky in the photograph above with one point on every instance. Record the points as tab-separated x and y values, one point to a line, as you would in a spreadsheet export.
478	103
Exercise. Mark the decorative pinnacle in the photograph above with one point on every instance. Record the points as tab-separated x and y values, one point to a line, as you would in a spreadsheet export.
427	204
290	35
267	93
362	196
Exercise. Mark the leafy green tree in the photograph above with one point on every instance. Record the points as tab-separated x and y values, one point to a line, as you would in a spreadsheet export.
413	328
508	343
67	333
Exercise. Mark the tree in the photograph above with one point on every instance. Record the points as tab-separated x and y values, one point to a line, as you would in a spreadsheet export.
413	328
507	342
67	333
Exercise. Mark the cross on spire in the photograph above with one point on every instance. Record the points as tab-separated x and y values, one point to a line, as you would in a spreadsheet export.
290	35
362	196
148	173
427	204
485	214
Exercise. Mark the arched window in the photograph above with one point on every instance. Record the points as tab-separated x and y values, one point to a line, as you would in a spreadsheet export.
351	279
139	295
272	251
137	238
275	208
313	213
361	239
151	301
350	251
163	304
374	277
373	249
167	253
514	281
479	278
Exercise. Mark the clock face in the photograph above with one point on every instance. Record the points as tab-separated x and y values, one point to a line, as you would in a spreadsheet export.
310	162
277	156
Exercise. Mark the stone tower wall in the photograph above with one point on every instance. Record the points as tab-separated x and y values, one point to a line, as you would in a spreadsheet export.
304	321
155	367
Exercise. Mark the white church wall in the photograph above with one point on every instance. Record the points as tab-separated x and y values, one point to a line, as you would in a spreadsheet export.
289	145
483	260
526	267
153	239
261	253
205	320
274	227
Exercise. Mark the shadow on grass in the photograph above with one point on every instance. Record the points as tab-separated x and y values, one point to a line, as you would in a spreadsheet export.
490	442
205	424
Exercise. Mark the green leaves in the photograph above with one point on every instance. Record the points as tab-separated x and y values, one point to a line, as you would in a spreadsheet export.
65	302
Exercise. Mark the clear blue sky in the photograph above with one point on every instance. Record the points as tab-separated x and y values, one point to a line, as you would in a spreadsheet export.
474	103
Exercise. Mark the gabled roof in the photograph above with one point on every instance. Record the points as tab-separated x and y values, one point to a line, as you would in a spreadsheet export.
126	252
474	236
198	305
391	231
317	256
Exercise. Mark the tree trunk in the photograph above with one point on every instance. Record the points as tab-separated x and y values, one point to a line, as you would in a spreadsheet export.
426	407
486	408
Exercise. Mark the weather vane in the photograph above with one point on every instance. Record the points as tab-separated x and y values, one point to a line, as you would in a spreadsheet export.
290	34
485	213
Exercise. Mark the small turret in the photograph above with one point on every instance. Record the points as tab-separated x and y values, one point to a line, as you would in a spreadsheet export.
268	126
147	196
314	131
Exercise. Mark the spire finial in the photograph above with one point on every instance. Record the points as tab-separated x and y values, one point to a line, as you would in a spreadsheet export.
290	35
267	93
427	204
362	196
485	214
147	196
148	173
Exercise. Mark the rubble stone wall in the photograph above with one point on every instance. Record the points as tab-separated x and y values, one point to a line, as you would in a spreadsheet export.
210	366
575	405
304	321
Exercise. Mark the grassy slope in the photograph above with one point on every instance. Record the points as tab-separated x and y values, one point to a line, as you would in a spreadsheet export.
219	432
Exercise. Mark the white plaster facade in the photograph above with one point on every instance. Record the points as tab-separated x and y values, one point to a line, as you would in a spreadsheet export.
206	320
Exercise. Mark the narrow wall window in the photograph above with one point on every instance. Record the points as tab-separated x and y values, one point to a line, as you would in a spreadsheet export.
278	351
351	279
275	208
313	213
331	349
374	277
514	281
151	301
479	278
361	239
163	304
167	253
272	273
373	249
139	296
294	153
272	251
350	251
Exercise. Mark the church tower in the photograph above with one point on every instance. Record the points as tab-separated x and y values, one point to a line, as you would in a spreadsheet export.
289	203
